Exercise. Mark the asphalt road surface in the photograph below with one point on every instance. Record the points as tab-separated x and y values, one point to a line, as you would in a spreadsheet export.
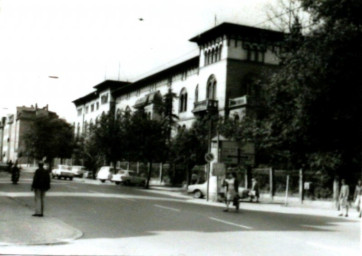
120	220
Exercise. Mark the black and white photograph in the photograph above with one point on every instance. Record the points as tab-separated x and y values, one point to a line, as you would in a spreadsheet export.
181	127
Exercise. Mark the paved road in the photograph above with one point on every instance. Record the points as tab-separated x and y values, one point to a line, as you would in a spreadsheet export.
119	220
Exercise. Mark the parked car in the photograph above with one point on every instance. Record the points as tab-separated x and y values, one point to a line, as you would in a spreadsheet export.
78	170
117	177
105	173
63	171
128	177
200	190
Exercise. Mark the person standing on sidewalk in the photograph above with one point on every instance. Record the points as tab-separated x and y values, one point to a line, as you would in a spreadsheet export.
343	198
41	184
230	191
254	190
358	197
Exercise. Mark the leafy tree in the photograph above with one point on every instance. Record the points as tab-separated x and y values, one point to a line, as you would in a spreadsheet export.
314	100
108	135
189	146
148	139
168	116
49	137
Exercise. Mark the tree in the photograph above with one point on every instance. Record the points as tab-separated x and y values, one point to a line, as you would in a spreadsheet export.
148	139
189	146
49	137
108	136
314	100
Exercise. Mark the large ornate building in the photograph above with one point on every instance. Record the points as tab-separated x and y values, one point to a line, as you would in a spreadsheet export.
217	78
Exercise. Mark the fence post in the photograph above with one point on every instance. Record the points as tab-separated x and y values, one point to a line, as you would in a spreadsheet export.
286	191
271	182
301	185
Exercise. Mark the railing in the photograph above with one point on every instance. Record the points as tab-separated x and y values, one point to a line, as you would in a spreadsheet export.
205	105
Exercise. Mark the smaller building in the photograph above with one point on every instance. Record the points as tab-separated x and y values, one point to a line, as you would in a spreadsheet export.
14	127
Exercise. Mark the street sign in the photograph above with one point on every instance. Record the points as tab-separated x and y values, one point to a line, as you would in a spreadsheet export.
218	169
209	157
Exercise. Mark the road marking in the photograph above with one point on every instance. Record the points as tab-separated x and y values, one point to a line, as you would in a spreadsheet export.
167	208
230	223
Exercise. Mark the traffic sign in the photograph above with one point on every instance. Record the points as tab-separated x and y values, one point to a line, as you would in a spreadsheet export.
209	157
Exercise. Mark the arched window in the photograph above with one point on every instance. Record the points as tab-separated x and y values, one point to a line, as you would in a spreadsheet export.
206	58
211	88
183	100
215	53
219	52
128	111
197	93
118	114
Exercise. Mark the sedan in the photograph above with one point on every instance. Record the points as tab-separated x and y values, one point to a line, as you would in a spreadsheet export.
199	191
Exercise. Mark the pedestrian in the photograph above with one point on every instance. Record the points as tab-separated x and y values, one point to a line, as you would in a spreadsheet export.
230	184
254	190
41	184
358	197
343	198
15	173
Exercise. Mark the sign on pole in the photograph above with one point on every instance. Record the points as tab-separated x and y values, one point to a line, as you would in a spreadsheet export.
209	157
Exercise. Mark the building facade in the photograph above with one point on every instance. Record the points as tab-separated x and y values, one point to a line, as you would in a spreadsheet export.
218	78
14	127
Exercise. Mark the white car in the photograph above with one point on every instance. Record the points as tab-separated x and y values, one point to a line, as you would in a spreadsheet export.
78	170
200	190
105	173
117	177
128	177
63	171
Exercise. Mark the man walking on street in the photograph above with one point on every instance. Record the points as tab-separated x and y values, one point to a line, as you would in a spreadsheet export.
41	183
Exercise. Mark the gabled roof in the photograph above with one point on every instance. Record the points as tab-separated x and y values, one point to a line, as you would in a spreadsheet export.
238	30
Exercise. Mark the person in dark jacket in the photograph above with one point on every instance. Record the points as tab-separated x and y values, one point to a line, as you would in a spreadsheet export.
41	184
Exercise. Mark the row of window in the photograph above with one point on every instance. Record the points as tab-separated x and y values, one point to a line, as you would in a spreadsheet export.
212	56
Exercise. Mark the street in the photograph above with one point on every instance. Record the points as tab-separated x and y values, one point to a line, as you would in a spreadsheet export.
121	220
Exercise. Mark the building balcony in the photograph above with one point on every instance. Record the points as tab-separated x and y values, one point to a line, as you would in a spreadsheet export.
205	106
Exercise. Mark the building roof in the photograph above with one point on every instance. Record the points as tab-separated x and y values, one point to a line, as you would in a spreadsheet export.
194	61
110	84
86	98
238	30
107	84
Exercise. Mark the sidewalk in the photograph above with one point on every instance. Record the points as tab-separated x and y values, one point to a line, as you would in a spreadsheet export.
266	204
18	227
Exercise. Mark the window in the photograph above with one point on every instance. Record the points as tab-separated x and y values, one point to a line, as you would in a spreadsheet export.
92	107
211	88
255	52
79	111
183	100
118	114
213	55
97	105
128	111
197	93
86	109
104	99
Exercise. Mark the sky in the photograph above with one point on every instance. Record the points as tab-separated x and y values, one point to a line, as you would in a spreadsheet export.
84	42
